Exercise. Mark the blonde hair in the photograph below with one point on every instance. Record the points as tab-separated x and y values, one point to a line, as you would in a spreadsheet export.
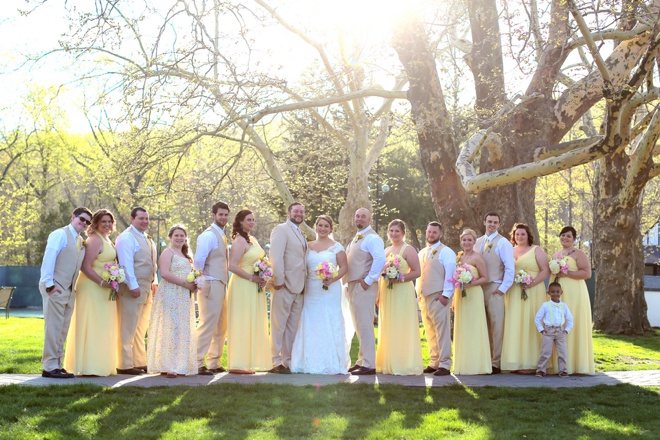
469	231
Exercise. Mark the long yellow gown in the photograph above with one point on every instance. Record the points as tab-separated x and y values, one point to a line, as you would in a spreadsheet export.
471	345
521	344
248	347
579	344
399	349
92	344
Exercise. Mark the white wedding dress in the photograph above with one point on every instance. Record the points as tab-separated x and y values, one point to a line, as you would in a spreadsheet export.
320	345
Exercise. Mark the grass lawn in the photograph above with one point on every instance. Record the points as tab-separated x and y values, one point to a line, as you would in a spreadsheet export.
22	342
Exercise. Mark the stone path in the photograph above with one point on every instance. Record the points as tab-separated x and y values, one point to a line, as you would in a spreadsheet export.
639	378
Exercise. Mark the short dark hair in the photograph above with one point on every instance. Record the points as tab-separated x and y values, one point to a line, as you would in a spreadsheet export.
288	209
435	223
134	211
82	210
492	214
554	284
570	229
219	205
530	236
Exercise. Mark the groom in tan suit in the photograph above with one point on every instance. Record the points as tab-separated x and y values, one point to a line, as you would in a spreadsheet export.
136	252
59	271
366	258
288	251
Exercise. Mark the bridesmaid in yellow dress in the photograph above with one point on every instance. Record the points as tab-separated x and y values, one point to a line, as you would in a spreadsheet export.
521	345
92	343
471	345
248	347
399	346
580	350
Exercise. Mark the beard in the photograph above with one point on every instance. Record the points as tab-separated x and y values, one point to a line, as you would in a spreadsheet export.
432	241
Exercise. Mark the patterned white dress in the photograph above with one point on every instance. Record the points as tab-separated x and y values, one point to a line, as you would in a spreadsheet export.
172	346
320	344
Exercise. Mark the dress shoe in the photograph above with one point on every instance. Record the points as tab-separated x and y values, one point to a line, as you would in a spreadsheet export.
143	368
220	369
203	371
131	371
496	370
353	368
364	371
280	369
430	369
54	374
68	375
442	372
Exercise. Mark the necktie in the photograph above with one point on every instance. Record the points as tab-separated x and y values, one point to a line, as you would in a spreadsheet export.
486	243
78	242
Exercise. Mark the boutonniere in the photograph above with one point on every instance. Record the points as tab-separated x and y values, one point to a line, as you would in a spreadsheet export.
488	246
149	237
84	243
435	251
358	238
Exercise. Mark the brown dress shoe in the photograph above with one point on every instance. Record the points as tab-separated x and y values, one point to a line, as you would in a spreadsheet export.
430	369
203	371
353	368
364	371
442	372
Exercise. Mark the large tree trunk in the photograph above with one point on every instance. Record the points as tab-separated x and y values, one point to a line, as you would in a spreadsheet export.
620	306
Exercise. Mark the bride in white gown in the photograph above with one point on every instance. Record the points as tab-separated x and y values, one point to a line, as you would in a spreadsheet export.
320	346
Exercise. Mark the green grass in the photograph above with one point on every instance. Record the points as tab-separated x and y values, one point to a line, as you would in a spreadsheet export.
22	340
334	411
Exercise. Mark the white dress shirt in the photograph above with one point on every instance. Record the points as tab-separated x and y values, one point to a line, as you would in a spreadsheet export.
127	246
447	258
207	242
504	250
56	242
374	246
554	314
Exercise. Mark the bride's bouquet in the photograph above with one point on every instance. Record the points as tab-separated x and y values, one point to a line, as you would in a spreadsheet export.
392	270
523	279
326	270
461	277
558	264
263	269
114	274
195	276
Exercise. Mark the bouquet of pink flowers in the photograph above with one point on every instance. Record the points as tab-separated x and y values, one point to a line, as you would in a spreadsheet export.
558	264
113	274
195	276
392	271
461	277
263	269
326	270
523	279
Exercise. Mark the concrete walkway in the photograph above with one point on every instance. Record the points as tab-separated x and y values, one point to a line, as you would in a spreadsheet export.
638	378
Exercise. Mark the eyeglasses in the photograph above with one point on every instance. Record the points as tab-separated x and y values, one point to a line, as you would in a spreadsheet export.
84	220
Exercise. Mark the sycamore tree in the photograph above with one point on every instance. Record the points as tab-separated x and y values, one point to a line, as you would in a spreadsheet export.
576	54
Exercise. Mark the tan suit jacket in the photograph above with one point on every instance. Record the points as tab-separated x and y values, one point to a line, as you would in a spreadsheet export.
288	251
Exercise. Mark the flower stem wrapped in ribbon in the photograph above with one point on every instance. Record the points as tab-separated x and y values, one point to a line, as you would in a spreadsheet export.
461	277
558	264
263	269
326	270
523	279
113	274
392	270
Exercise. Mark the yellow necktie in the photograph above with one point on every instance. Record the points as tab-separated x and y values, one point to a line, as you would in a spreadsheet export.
78	242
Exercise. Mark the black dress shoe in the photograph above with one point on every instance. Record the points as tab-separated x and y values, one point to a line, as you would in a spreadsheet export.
131	371
143	368
68	375
364	371
496	370
203	371
220	369
54	374
353	368
430	369
280	369
442	372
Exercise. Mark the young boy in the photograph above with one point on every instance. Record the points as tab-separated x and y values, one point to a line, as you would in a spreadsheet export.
554	321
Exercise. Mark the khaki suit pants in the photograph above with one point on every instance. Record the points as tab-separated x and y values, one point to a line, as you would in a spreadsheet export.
436	321
495	317
58	310
553	335
212	328
362	304
134	314
285	310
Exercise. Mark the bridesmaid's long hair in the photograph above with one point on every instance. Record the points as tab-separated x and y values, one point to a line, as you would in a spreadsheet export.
236	228
96	218
530	237
185	249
